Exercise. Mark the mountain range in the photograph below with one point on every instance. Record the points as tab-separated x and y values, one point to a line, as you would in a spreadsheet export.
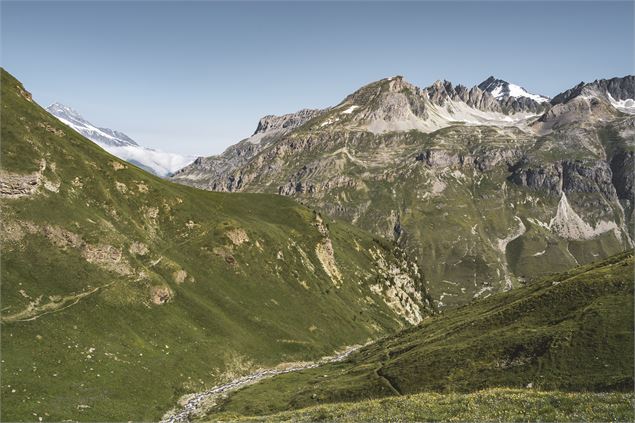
484	186
158	162
360	257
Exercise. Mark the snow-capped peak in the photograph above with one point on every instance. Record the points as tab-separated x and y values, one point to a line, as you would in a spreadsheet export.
73	119
59	109
120	144
502	90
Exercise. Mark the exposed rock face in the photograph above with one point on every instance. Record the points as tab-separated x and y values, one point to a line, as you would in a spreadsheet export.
325	253
286	122
565	176
622	165
222	172
484	192
442	91
16	186
589	103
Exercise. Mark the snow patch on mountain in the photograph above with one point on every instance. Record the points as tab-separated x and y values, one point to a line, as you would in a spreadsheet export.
350	109
119	144
451	113
626	105
513	90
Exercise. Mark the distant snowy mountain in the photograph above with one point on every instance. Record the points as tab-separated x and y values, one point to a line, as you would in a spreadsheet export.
121	145
501	90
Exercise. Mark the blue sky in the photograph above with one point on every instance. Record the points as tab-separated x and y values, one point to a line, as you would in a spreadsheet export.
195	77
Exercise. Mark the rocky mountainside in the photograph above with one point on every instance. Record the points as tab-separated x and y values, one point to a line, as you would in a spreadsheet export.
216	170
119	144
114	279
485	188
512	96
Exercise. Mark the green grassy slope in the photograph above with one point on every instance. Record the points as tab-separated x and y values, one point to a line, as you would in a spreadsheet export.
121	291
491	405
571	331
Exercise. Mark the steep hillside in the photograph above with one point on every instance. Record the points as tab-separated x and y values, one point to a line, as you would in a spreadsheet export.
122	291
567	332
483	190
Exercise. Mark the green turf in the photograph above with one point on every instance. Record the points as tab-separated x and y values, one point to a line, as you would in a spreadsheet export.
491	405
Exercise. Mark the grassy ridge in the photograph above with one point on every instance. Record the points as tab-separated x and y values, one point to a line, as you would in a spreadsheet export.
122	291
571	331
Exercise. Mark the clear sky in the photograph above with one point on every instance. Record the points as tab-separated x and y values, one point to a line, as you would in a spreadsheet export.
195	77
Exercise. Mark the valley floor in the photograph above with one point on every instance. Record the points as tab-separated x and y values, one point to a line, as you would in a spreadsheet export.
196	403
498	404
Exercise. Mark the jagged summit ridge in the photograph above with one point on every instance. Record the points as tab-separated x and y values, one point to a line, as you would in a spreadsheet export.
615	88
395	105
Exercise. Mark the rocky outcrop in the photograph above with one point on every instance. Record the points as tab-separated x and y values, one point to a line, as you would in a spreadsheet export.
160	294
286	122
564	176
325	253
442	91
221	173
483	161
13	185
622	165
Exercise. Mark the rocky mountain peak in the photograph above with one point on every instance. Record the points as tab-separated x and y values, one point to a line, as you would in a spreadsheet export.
502	90
62	111
440	91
